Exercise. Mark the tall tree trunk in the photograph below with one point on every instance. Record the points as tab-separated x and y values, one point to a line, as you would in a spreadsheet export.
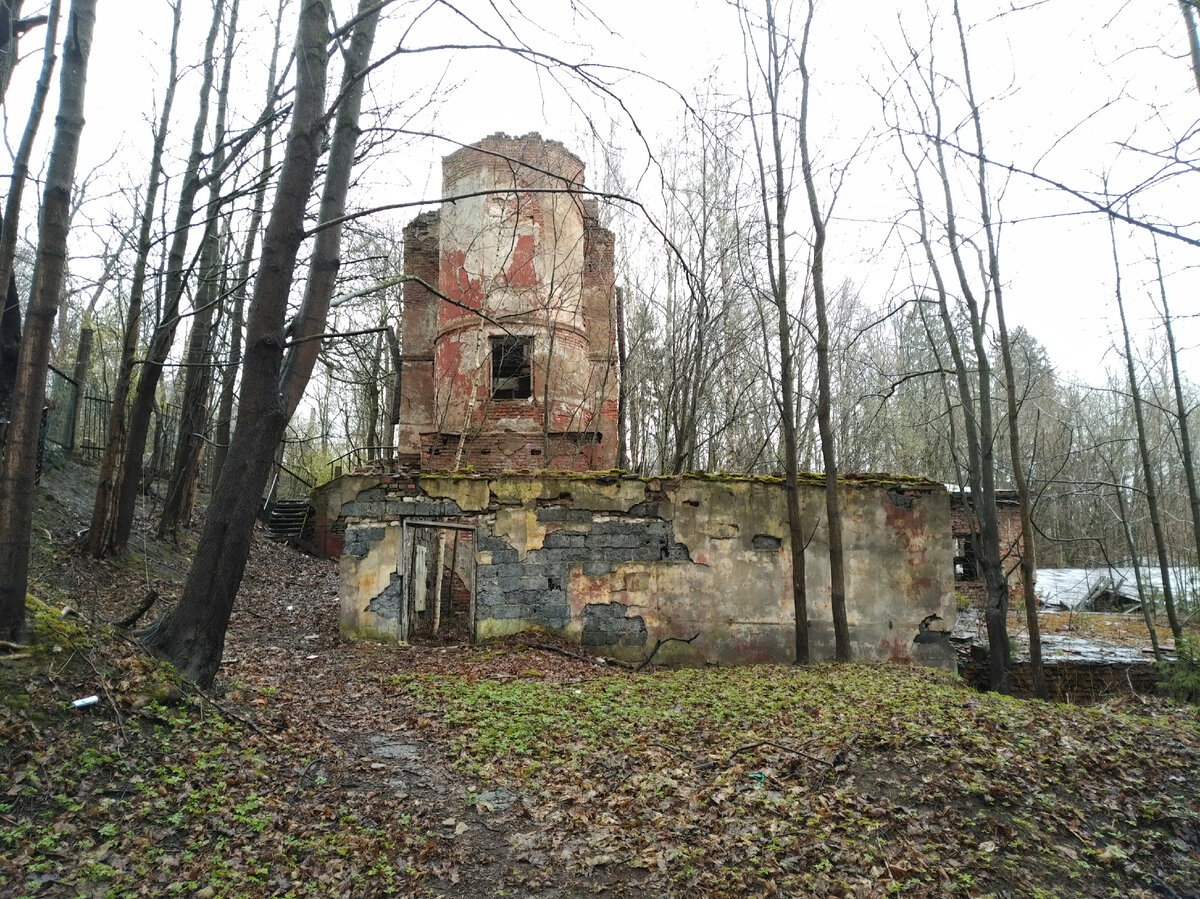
773	196
197	375
130	478
100	538
197	379
10	320
20	460
1135	392
224	425
326	255
1027	557
1181	412
20	172
833	512
192	636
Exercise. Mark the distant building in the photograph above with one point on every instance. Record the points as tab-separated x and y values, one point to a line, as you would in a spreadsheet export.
968	576
514	366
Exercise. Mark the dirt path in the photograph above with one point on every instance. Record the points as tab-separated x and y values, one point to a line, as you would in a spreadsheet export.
289	675
288	668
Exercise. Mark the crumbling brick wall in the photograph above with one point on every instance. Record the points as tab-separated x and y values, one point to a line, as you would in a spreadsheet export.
968	578
519	254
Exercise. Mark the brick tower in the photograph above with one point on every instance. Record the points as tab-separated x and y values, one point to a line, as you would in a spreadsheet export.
514	365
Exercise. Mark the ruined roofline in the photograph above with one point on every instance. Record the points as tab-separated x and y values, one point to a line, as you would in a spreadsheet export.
514	150
901	483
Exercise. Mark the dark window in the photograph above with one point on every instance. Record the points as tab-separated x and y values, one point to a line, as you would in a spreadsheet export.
511	378
579	438
964	559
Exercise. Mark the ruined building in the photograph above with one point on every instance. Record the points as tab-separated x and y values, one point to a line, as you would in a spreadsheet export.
514	365
504	516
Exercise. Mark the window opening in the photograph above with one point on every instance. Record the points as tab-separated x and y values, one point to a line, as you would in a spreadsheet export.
511	368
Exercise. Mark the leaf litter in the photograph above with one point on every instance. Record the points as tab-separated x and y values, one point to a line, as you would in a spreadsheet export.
328	767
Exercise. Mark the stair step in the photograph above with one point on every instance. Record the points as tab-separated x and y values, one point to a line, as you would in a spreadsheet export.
288	518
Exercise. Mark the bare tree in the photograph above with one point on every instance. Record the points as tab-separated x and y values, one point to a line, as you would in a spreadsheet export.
224	422
198	372
10	319
1027	559
833	514
1160	540
1181	407
20	459
768	58
100	536
129	480
192	636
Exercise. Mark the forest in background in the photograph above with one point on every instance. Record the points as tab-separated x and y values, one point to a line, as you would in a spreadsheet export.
730	337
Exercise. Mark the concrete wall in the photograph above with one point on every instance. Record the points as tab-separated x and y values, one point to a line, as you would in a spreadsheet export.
618	563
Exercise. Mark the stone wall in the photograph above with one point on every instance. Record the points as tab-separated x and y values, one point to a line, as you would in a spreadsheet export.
618	563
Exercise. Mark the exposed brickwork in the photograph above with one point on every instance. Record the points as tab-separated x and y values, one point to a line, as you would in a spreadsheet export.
966	529
1075	682
525	248
535	589
618	563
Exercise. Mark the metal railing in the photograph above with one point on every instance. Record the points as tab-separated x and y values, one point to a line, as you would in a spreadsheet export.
287	484
78	422
359	455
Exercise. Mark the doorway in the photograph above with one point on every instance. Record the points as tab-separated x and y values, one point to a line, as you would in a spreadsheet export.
437	565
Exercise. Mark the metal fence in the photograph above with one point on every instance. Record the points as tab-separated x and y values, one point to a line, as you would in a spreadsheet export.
62	403
78	422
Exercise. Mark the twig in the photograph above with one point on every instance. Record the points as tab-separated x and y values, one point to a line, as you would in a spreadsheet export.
800	752
107	695
132	618
229	714
573	655
5	644
659	645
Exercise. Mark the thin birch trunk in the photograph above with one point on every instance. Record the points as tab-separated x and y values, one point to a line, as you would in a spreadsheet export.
1135	392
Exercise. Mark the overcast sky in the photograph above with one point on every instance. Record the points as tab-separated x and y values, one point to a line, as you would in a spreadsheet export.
1076	91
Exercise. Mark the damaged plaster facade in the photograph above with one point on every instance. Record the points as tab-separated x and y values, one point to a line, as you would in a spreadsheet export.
514	365
618	563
